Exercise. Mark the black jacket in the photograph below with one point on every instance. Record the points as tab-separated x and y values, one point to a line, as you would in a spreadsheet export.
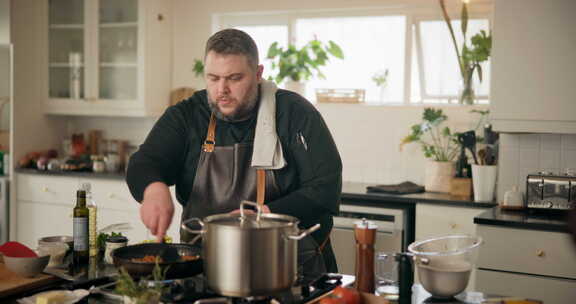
312	179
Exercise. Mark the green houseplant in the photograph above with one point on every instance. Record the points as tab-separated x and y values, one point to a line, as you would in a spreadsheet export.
300	64
469	57
439	144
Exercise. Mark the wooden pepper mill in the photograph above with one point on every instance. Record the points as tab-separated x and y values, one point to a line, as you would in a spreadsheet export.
365	234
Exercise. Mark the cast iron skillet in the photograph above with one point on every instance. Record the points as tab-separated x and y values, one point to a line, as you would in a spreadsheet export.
170	254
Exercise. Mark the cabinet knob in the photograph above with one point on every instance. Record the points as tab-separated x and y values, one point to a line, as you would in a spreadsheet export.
160	17
453	226
540	253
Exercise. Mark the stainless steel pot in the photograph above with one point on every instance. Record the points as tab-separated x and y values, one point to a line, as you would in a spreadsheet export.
249	254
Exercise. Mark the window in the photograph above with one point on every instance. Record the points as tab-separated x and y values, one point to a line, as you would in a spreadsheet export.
412	43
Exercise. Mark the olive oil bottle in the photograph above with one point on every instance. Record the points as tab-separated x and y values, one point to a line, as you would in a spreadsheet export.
80	232
92	220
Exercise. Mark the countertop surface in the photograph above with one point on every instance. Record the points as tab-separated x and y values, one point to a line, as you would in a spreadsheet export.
352	190
84	174
523	220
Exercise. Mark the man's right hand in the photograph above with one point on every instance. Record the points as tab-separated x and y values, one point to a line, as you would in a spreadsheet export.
157	209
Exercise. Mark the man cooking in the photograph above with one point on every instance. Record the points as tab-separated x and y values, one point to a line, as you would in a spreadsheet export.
218	144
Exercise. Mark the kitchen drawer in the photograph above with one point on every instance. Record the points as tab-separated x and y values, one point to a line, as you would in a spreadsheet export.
113	194
548	290
527	251
46	189
434	220
35	220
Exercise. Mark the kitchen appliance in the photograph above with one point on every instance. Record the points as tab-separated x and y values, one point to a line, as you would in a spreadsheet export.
389	233
196	290
546	191
444	264
249	254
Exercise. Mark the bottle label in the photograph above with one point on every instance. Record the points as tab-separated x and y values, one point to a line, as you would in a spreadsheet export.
80	234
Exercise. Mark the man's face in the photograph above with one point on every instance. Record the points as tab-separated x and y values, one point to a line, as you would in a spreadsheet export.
232	85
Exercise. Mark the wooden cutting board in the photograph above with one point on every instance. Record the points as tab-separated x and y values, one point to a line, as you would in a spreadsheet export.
11	283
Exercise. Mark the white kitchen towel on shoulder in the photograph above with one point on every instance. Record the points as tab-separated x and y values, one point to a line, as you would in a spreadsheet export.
267	152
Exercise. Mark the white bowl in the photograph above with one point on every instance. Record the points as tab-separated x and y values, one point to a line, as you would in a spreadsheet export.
26	267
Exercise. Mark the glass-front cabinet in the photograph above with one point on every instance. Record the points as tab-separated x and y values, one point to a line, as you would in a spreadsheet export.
108	57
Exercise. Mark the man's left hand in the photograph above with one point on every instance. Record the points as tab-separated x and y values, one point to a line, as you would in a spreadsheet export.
265	209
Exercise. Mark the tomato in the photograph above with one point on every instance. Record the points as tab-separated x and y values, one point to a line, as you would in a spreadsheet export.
347	295
331	300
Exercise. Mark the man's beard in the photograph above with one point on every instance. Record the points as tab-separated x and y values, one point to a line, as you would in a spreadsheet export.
244	110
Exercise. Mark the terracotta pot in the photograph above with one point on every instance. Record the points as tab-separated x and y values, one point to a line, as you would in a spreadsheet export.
439	176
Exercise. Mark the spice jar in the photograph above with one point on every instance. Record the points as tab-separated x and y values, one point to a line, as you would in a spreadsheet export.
98	164
112	243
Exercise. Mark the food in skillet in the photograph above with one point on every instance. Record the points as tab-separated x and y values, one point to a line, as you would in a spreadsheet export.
152	259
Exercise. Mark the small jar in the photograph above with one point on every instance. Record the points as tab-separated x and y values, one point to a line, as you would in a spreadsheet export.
98	164
112	243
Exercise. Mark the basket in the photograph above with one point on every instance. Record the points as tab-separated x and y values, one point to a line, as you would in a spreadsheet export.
340	95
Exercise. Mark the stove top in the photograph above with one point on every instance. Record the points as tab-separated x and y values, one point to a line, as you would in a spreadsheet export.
195	290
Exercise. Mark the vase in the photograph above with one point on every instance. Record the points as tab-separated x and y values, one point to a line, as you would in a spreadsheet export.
296	86
383	93
484	182
438	176
466	94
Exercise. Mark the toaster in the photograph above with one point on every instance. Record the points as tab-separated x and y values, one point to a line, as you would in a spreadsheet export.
549	191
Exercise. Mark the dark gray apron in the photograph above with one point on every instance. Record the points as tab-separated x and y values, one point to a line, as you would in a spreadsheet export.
224	178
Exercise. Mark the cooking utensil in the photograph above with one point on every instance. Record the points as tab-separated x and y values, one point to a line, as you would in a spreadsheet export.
482	157
249	254
170	254
444	264
469	142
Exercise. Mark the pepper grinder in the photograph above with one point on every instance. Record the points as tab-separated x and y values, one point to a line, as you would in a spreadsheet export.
365	235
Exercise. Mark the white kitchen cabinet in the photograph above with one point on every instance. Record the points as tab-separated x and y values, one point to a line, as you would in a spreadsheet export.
527	263
44	207
125	50
438	220
534	43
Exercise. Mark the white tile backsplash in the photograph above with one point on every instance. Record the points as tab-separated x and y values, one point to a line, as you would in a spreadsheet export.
521	154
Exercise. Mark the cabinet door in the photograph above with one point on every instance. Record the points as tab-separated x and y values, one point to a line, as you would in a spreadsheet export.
36	220
548	290
118	49
66	23
532	86
434	220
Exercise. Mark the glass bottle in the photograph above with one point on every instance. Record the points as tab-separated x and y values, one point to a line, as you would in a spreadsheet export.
92	220
80	229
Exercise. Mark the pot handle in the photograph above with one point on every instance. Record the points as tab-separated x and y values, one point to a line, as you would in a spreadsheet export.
304	233
199	232
255	205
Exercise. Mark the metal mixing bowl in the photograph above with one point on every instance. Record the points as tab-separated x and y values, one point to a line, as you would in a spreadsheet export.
444	264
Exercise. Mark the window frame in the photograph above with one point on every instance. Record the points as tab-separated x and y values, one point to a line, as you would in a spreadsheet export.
413	13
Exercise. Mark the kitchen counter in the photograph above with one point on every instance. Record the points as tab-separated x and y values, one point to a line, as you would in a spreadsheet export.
86	174
352	190
523	220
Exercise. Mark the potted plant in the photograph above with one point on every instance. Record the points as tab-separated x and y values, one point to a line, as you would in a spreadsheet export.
469	57
439	144
300	64
380	78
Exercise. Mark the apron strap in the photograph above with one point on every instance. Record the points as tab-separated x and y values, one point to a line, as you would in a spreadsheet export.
324	243
209	142
260	186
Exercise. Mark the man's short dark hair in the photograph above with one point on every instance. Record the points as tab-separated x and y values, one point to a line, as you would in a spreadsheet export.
233	42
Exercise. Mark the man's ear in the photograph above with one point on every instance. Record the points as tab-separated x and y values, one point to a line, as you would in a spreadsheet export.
259	71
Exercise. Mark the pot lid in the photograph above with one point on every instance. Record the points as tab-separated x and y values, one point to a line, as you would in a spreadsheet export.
250	221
